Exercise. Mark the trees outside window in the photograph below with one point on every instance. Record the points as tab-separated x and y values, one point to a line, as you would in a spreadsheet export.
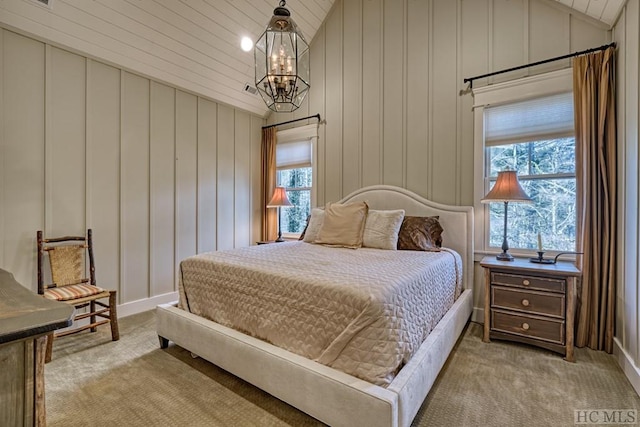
546	170
298	183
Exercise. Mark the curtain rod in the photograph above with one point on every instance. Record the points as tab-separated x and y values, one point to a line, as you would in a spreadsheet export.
533	64
315	116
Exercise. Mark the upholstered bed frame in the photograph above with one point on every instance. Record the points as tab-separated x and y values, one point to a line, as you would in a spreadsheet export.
331	396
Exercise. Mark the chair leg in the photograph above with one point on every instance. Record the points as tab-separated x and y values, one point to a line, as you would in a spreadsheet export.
92	307
113	315
49	350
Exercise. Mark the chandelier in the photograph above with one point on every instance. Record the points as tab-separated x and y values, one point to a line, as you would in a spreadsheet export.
282	63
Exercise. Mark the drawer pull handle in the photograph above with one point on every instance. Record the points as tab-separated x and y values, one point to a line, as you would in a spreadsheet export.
525	326
525	302
525	282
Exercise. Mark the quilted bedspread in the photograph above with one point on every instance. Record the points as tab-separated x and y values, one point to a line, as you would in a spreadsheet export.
364	312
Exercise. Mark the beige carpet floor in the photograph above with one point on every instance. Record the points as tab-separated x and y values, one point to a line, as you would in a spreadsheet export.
93	381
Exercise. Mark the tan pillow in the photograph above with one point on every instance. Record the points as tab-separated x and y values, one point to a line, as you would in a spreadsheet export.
343	225
381	229
313	226
420	233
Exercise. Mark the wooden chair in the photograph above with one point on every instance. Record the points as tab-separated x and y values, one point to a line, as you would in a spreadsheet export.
67	260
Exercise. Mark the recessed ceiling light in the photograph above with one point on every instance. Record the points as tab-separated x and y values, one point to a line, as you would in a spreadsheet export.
246	44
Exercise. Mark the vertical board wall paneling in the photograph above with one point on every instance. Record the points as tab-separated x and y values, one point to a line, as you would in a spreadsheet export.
186	174
334	105
22	153
393	70
583	37
352	97
103	166
474	61
162	200
317	104
255	162
550	35
225	168
444	100
134	190
65	144
106	140
372	96
418	70
207	174
509	37
242	179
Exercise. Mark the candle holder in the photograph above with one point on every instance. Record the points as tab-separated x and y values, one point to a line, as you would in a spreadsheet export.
541	259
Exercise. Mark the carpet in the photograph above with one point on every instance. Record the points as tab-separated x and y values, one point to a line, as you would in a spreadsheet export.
93	381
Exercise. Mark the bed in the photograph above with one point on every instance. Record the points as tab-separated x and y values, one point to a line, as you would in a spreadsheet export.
331	395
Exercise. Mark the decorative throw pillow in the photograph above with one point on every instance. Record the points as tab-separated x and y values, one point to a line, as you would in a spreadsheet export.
313	226
305	228
343	225
420	233
381	229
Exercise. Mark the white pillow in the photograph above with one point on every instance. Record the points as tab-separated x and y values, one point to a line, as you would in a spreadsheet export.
381	229
315	223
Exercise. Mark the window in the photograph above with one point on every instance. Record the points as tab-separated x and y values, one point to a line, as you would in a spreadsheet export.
298	183
536	139
295	172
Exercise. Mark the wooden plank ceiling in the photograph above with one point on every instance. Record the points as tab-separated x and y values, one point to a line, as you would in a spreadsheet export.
194	44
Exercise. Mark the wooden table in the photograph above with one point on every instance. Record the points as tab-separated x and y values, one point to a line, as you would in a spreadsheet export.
531	303
26	319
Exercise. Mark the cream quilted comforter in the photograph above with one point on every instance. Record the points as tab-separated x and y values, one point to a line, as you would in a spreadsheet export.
364	312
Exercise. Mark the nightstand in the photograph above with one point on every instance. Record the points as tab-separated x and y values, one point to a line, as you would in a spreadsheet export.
530	303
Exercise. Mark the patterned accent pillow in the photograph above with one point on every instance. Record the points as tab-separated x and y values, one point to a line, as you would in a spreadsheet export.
305	228
343	225
420	233
381	229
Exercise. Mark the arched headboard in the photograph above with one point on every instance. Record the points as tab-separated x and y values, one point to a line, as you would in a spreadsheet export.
457	221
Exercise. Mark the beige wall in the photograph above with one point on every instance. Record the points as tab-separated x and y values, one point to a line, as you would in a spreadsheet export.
159	174
627	37
386	76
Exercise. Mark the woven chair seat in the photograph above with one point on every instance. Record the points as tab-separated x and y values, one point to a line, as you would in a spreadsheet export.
69	292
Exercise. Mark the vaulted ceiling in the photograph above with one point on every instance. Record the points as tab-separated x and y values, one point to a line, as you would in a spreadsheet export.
193	44
245	15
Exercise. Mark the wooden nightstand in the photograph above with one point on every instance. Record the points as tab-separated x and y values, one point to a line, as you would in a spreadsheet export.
530	303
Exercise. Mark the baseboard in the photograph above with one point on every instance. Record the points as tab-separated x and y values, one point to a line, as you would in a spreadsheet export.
626	363
135	307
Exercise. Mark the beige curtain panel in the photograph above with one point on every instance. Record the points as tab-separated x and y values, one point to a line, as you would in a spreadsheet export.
269	216
595	121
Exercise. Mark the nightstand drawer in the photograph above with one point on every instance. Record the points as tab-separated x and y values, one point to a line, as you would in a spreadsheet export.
528	326
545	303
528	282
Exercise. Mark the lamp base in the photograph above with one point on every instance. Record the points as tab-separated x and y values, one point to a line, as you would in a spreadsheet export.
504	256
279	239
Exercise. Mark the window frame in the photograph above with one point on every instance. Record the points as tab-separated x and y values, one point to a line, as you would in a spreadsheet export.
541	85
301	133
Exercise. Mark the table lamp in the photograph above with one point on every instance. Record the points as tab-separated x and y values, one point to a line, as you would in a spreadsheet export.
278	200
506	189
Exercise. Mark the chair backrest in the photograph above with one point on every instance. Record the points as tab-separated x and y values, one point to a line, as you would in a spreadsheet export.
66	260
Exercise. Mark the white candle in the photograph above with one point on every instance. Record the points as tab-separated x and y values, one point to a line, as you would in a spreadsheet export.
539	243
